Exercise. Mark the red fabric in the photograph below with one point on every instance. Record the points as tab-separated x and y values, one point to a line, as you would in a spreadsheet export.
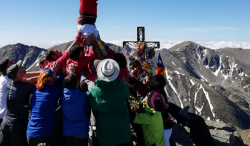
81	62
78	37
88	6
88	75
109	57
79	40
111	52
124	74
168	120
143	90
61	62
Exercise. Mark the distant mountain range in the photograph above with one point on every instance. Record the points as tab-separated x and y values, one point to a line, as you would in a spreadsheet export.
215	83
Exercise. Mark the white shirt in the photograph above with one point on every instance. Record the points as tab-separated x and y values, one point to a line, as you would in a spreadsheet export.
4	80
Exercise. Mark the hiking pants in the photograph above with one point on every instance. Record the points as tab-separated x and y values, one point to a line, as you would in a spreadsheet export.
167	134
72	141
13	136
35	141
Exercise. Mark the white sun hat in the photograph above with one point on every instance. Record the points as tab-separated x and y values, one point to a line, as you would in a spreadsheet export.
108	70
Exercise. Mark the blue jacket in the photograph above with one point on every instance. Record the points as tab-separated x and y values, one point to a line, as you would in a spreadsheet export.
43	105
74	105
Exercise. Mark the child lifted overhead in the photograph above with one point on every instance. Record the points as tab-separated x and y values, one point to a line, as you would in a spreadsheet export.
87	19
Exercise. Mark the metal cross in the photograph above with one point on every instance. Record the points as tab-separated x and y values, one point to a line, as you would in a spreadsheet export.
141	38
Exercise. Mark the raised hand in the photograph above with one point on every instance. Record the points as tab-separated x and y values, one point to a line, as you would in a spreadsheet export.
93	38
71	68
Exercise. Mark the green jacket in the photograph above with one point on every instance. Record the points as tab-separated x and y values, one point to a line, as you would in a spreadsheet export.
108	100
152	126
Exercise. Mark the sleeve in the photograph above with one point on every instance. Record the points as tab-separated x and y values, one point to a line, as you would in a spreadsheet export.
143	118
109	56
91	100
59	79
173	110
111	52
63	59
79	40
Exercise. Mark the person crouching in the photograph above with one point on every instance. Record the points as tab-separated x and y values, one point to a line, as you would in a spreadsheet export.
152	124
74	106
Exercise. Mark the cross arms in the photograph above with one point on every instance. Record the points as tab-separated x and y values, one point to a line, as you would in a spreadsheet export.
134	44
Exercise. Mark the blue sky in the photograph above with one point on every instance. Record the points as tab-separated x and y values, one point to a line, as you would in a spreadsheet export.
44	23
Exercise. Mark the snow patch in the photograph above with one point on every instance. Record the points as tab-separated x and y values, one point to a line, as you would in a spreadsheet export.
246	86
172	86
165	88
202	77
208	99
205	52
192	82
199	57
225	76
199	109
37	61
218	70
241	74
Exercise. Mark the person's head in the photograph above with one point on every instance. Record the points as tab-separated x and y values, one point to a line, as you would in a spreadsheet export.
43	63
5	64
53	54
108	70
45	78
157	81
121	60
70	82
75	52
16	71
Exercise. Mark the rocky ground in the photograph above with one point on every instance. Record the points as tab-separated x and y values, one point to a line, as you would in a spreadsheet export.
223	134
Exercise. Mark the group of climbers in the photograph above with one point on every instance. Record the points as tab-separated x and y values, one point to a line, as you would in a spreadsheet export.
81	97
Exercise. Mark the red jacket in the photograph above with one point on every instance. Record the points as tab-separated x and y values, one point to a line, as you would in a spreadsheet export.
61	62
80	63
88	6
